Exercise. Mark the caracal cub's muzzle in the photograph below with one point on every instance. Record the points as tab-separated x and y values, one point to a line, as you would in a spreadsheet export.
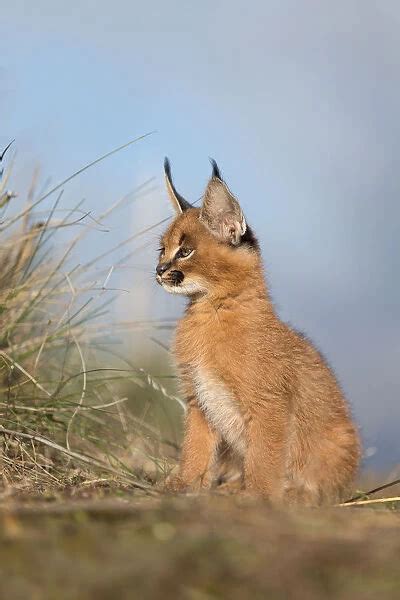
166	276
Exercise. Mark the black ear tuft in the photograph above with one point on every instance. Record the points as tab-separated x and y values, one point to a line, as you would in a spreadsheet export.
178	201
167	168
215	170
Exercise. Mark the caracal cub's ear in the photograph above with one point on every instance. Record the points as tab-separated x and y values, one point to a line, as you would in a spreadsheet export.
178	202
221	212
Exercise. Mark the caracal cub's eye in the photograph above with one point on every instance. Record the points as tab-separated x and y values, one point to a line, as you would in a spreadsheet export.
184	252
161	251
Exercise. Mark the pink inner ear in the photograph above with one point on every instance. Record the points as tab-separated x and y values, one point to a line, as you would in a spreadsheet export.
230	231
233	235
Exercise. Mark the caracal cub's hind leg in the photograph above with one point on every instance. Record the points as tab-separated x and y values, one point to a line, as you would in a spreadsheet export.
332	470
328	472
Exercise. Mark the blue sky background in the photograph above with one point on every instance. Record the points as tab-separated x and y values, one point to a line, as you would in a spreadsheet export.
299	103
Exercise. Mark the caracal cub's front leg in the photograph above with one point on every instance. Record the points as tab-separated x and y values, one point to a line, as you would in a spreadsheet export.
199	449
264	462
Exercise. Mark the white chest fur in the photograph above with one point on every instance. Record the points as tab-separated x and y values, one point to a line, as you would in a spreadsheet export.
220	408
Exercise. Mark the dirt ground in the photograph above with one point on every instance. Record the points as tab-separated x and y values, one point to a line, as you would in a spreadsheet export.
122	545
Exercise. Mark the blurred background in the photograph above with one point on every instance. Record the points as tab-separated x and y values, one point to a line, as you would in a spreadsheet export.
299	104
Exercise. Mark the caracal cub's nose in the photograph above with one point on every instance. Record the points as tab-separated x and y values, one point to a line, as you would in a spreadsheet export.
160	269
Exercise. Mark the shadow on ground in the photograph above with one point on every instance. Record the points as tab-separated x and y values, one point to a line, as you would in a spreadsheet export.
129	546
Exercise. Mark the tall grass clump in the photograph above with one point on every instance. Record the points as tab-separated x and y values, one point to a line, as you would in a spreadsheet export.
62	408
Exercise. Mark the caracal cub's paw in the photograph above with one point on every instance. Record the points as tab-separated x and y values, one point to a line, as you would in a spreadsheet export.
174	484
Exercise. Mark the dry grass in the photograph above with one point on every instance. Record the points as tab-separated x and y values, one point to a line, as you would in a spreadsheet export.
61	405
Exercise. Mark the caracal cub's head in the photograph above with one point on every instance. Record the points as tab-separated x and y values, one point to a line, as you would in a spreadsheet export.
208	247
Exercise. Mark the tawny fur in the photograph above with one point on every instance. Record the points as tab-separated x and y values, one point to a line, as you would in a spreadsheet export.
251	382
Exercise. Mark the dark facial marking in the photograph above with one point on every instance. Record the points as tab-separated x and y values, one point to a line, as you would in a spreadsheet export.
176	277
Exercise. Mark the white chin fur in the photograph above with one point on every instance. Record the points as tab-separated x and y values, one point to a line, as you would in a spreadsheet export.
186	289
